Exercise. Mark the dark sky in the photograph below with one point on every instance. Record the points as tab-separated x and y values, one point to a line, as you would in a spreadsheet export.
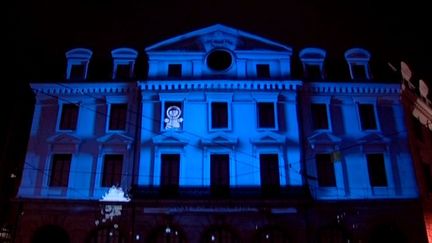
40	32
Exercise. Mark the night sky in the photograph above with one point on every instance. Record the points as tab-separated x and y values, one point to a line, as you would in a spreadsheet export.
40	32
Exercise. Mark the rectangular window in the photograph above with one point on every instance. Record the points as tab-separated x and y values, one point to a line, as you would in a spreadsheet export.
118	116
60	169
123	72
313	72
319	116
219	173
170	172
69	117
263	70
219	115
367	117
376	169
359	72
174	70
77	72
269	171
427	172
325	170
266	115
112	170
172	115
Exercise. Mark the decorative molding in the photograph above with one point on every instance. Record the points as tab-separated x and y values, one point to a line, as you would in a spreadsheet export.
64	138
324	138
375	138
83	88
219	85
115	139
221	32
170	138
269	138
351	88
67	139
219	139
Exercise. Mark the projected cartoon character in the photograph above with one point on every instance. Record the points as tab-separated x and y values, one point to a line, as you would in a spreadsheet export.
173	119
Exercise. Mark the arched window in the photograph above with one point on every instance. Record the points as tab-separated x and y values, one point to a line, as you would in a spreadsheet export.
106	234
50	233
219	234
271	235
168	234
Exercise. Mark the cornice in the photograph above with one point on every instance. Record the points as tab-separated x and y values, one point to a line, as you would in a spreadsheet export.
290	85
83	88
351	88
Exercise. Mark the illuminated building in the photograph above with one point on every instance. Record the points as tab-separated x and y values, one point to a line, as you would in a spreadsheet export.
219	144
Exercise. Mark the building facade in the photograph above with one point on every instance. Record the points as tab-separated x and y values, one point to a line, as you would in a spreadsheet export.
218	144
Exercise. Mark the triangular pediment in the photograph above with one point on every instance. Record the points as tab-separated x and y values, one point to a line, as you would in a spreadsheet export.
269	138
115	138
219	139
169	138
324	138
217	36
375	138
64	138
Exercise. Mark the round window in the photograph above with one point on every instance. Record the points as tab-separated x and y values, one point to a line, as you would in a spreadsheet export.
219	60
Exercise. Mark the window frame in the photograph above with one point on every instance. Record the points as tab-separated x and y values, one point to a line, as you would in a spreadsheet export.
109	117
375	114
327	113
124	57
61	184
210	120
384	170
333	180
270	186
163	114
175	66
77	57
165	184
117	100
259	71
229	161
275	115
119	66
358	57
111	175
60	116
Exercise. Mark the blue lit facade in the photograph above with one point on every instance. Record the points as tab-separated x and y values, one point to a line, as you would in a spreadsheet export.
220	144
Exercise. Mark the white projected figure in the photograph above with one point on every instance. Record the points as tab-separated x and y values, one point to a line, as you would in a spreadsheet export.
173	121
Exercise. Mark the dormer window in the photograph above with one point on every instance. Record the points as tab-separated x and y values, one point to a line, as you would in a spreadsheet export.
313	63
263	70
77	63
358	63
174	70
123	63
